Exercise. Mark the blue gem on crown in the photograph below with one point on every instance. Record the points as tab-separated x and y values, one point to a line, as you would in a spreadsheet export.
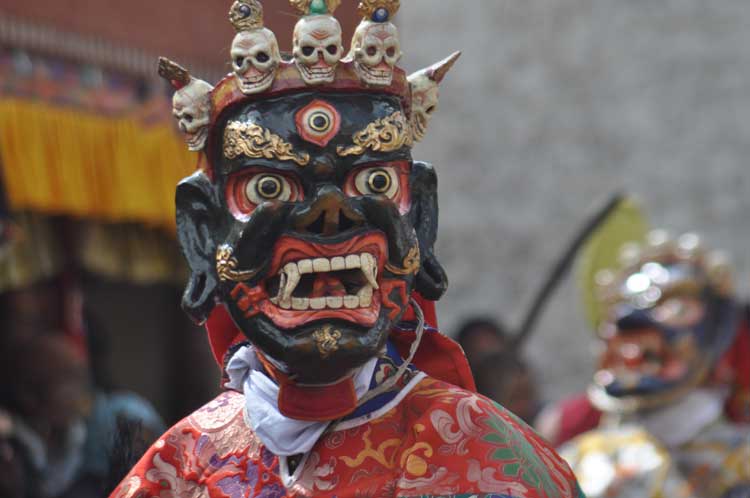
381	15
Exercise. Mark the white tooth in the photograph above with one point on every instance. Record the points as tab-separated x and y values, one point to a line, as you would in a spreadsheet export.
352	262
321	265
351	302
282	285
335	302
292	279
305	266
338	263
300	303
274	300
285	303
370	269
318	303
365	296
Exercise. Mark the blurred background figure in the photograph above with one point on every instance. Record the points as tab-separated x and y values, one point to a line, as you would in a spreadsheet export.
47	397
671	376
61	434
506	378
481	335
499	370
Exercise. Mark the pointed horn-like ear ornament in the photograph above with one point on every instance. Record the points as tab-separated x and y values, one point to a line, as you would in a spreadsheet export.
424	86
176	75
437	71
191	103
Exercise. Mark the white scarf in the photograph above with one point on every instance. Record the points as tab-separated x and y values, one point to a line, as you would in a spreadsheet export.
681	422
282	435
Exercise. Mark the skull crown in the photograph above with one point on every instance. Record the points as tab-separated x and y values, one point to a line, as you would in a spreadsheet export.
375	51
319	58
255	59
318	48
255	50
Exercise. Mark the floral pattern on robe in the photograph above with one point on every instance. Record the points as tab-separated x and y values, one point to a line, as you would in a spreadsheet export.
439	440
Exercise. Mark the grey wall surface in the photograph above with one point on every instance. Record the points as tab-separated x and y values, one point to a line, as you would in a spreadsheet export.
554	105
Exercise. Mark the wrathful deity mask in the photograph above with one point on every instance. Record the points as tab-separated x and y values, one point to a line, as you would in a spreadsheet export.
670	318
309	221
311	240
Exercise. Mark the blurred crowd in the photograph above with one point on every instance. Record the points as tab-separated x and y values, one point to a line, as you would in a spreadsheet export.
64	430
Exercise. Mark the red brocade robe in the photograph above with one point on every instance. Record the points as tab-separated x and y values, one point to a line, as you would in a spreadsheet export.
440	440
432	439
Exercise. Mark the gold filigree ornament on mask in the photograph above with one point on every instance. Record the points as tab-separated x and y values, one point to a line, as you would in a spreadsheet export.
226	266
383	135
411	263
327	340
254	141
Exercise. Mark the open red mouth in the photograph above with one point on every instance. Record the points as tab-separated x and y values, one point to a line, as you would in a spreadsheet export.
312	281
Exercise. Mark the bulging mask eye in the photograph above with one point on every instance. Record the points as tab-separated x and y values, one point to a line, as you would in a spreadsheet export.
377	181
249	189
268	187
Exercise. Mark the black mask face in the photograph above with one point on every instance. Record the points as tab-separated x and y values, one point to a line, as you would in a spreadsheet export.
310	233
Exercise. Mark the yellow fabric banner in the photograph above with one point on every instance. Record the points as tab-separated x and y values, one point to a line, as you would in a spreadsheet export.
67	162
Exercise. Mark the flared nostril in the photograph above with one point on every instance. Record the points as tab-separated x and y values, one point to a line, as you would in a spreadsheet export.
329	214
317	226
331	222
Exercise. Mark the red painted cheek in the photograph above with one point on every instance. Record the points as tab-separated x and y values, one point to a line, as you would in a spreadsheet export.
403	198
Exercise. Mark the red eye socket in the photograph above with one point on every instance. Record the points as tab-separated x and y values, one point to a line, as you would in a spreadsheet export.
246	191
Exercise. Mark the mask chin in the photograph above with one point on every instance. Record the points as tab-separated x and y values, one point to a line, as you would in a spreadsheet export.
317	353
650	392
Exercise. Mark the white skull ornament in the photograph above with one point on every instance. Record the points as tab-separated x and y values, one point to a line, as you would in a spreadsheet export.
425	93
255	59
191	106
318	48
376	50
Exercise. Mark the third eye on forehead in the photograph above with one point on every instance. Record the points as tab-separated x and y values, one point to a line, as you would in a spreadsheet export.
304	133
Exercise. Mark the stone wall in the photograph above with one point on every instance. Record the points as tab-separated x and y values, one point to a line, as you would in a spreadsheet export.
553	106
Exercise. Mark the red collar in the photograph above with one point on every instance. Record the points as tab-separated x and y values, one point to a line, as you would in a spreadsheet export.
312	403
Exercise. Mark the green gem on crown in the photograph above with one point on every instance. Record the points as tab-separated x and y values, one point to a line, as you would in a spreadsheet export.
318	7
